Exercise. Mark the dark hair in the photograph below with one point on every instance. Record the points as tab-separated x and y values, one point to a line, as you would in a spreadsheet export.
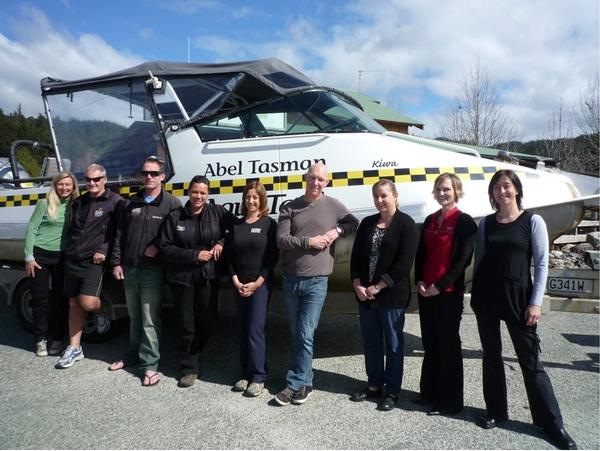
155	159
512	176
263	208
199	179
454	180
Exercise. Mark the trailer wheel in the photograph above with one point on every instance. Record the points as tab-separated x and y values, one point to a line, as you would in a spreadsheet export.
22	302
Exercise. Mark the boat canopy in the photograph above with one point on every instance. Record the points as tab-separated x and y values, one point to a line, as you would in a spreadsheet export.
264	77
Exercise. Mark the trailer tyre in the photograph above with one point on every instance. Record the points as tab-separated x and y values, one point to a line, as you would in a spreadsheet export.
22	302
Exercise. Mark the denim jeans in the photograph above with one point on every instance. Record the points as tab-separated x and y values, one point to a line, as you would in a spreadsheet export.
379	326
304	298
143	293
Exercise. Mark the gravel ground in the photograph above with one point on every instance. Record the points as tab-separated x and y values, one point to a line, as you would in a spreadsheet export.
87	406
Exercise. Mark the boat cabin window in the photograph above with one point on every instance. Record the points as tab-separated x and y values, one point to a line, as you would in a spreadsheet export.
312	111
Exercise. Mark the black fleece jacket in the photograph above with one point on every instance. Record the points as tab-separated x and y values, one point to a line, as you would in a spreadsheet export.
140	226
93	225
185	235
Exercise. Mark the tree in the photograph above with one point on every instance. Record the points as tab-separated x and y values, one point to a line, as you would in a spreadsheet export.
477	117
587	113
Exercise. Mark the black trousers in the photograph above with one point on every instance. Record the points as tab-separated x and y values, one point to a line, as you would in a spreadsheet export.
542	402
442	369
197	317
49	306
252	316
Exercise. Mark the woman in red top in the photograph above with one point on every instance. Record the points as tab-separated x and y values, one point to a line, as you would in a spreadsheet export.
444	252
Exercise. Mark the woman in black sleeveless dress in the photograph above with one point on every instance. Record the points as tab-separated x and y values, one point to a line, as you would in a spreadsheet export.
503	290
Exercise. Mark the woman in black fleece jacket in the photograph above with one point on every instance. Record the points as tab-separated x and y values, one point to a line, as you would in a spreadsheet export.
192	245
445	250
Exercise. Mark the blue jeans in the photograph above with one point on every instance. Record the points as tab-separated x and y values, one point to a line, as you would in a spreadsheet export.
379	325
304	298
143	292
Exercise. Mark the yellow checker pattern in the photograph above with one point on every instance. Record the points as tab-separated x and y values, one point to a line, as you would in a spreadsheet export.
288	182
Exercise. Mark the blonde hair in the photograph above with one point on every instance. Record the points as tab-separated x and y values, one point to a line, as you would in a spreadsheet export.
53	198
454	180
390	185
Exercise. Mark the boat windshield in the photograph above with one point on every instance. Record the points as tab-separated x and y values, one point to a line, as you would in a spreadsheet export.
312	111
111	125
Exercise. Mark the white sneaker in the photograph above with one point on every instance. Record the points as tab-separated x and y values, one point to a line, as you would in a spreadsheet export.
69	357
40	348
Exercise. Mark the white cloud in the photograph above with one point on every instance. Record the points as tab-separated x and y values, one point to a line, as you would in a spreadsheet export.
50	52
536	52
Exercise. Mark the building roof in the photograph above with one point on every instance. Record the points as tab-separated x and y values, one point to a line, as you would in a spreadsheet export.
379	112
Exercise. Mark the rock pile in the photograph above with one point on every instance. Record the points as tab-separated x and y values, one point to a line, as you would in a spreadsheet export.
570	256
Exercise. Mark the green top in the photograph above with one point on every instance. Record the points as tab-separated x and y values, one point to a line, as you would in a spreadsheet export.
45	233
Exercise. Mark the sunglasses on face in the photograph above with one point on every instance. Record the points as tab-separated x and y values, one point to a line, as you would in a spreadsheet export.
152	174
93	179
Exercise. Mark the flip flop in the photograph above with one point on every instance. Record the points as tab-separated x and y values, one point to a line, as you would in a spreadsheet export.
151	378
116	366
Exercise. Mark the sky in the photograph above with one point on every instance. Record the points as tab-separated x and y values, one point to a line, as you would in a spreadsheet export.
411	54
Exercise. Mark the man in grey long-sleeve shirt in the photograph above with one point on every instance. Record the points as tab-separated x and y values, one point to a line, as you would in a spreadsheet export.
308	227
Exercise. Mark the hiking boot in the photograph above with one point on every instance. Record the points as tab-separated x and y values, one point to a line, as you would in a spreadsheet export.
240	385
187	380
55	348
285	396
302	395
69	357
254	389
40	348
102	322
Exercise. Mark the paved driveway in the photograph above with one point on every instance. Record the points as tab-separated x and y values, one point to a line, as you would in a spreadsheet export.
89	407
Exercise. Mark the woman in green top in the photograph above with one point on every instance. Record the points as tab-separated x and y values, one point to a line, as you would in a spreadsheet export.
45	241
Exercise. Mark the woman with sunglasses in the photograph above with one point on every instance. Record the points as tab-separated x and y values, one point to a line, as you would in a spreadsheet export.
45	241
503	290
252	251
192	245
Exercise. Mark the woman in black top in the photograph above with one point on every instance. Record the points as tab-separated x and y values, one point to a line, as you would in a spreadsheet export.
191	245
503	290
382	256
445	250
252	252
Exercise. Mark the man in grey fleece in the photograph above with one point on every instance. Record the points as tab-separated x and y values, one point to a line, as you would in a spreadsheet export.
308	227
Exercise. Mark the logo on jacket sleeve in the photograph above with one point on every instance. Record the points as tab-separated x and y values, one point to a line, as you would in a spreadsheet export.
180	228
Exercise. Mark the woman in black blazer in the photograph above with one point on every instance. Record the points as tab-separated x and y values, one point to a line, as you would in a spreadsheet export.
445	250
382	256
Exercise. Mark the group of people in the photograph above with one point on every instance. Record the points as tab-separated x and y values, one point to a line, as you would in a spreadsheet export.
151	237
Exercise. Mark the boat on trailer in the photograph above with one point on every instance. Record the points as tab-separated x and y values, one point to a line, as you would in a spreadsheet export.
254	120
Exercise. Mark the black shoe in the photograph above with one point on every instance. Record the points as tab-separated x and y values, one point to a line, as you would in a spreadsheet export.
489	422
443	412
388	402
187	380
562	439
302	395
421	401
365	394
